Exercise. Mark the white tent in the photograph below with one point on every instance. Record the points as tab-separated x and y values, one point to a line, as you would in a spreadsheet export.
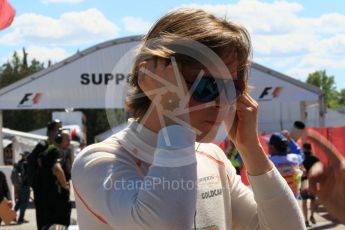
80	81
77	82
283	100
96	78
333	118
21	141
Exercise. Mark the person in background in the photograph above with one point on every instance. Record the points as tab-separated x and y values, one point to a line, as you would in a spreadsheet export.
327	182
288	164
235	158
309	161
4	191
55	189
8	152
34	165
82	145
293	147
24	187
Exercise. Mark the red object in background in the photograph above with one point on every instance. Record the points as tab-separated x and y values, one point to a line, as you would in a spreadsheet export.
7	13
74	133
335	135
318	152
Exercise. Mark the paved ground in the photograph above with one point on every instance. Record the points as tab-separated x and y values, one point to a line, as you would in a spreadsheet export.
30	216
323	222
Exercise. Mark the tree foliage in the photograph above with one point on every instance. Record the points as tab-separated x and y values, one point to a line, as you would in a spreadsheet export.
327	84
341	98
18	68
99	121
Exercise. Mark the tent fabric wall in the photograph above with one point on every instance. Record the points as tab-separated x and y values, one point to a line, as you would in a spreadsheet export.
103	68
269	86
335	135
81	81
333	118
276	116
96	78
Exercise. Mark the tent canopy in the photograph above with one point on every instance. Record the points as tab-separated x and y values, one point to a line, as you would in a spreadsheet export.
271	86
80	81
96	78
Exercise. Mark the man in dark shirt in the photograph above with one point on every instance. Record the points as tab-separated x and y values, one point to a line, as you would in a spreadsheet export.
54	185
24	188
309	161
34	164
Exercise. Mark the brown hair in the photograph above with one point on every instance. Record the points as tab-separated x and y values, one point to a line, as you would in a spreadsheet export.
221	36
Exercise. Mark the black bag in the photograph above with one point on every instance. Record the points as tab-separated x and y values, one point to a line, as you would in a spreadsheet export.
34	163
16	177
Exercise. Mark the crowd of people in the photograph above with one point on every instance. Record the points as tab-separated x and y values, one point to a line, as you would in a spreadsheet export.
47	171
294	165
302	169
50	174
50	178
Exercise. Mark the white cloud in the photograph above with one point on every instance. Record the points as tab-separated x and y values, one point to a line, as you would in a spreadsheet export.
281	35
311	63
301	73
330	23
281	44
255	15
71	28
334	45
44	54
274	27
136	25
62	1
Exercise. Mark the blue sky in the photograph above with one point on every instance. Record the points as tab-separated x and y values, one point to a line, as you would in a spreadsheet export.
292	37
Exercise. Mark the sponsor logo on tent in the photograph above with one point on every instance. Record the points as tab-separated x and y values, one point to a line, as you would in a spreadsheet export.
30	99
102	78
269	93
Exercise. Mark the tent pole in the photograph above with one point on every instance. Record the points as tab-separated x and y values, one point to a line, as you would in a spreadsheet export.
302	106
1	139
281	116
322	110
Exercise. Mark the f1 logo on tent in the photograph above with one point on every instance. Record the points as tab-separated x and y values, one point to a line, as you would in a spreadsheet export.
270	93
30	99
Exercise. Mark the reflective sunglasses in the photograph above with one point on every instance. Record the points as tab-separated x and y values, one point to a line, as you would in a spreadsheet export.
209	88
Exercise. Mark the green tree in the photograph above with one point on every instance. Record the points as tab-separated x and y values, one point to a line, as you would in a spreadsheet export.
18	68
100	120
327	84
341	98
